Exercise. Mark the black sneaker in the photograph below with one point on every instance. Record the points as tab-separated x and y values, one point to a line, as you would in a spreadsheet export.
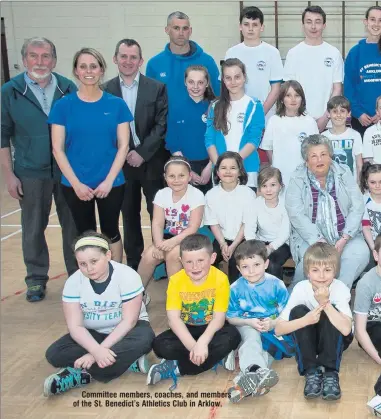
314	384
35	293
331	386
64	380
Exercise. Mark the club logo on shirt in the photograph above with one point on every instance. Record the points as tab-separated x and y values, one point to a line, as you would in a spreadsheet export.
377	298
204	118
328	62
302	136
261	65
240	117
163	74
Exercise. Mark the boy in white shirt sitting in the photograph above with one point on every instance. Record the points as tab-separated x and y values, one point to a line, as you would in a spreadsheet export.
319	316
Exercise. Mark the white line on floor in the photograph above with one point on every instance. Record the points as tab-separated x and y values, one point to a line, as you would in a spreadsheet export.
10	213
57	226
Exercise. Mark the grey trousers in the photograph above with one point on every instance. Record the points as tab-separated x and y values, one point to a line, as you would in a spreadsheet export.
35	209
250	351
353	261
138	342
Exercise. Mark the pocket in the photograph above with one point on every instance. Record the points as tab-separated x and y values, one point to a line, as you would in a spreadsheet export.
35	152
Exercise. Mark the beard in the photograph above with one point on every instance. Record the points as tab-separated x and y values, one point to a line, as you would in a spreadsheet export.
38	76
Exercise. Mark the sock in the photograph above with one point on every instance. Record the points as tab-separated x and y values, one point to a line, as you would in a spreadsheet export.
254	368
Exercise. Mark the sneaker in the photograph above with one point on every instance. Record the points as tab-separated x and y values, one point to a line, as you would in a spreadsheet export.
35	293
245	385
146	298
140	365
166	369
331	386
64	380
314	384
229	361
267	379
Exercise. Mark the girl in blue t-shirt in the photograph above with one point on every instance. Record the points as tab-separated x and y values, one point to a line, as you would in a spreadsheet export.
90	135
187	126
235	121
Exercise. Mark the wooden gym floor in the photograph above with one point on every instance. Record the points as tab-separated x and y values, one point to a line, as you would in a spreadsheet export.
28	329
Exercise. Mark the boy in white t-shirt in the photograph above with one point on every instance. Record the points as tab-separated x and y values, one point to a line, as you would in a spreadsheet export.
320	319
372	139
316	65
346	142
263	62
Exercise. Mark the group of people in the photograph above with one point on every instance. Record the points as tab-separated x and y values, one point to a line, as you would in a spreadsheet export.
103	143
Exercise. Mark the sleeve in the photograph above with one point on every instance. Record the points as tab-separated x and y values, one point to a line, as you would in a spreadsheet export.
214	76
155	138
234	310
276	72
130	284
174	301
71	291
363	297
160	198
254	131
268	137
124	114
289	70
210	133
367	146
210	216
7	124
343	299
58	113
293	301
198	199
352	82
222	294
283	232
365	218
338	71
282	296
296	213
357	143
314	127
250	219
356	209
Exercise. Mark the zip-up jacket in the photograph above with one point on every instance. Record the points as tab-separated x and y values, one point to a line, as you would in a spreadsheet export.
24	122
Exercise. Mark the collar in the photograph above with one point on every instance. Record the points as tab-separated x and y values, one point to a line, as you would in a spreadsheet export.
28	80
136	80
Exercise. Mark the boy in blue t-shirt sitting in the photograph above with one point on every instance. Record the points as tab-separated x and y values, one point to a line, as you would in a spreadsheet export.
256	300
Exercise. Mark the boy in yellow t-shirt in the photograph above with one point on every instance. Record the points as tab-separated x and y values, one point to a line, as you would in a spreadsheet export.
199	337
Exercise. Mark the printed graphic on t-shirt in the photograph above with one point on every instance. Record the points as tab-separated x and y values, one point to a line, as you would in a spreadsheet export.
343	152
375	221
197	307
261	65
102	310
371	73
176	221
328	62
302	136
240	117
374	314
376	139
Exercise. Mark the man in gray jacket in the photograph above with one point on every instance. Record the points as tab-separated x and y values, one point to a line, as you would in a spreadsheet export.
34	176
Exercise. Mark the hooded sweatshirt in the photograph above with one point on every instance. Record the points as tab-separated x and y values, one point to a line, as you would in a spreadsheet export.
362	80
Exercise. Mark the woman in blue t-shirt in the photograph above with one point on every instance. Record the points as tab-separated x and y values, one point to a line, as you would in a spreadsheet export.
90	135
187	126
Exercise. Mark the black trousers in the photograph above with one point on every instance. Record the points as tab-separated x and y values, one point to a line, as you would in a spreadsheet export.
318	345
374	332
233	272
356	125
198	166
137	180
138	342
168	346
277	259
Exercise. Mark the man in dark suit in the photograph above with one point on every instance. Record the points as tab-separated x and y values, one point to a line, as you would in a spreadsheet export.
147	101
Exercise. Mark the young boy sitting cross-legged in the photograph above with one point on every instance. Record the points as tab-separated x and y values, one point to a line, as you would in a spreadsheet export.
319	316
197	300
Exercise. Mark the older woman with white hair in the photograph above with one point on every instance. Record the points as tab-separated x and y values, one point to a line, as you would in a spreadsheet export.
325	204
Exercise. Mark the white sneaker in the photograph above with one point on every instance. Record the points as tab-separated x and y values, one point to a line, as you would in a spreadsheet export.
146	298
229	361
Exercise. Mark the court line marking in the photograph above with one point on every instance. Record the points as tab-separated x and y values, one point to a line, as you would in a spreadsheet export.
19	230
57	225
10	213
23	290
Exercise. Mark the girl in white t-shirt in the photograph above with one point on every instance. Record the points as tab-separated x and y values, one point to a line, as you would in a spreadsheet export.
177	212
225	207
235	121
372	138
109	329
268	220
287	129
371	221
